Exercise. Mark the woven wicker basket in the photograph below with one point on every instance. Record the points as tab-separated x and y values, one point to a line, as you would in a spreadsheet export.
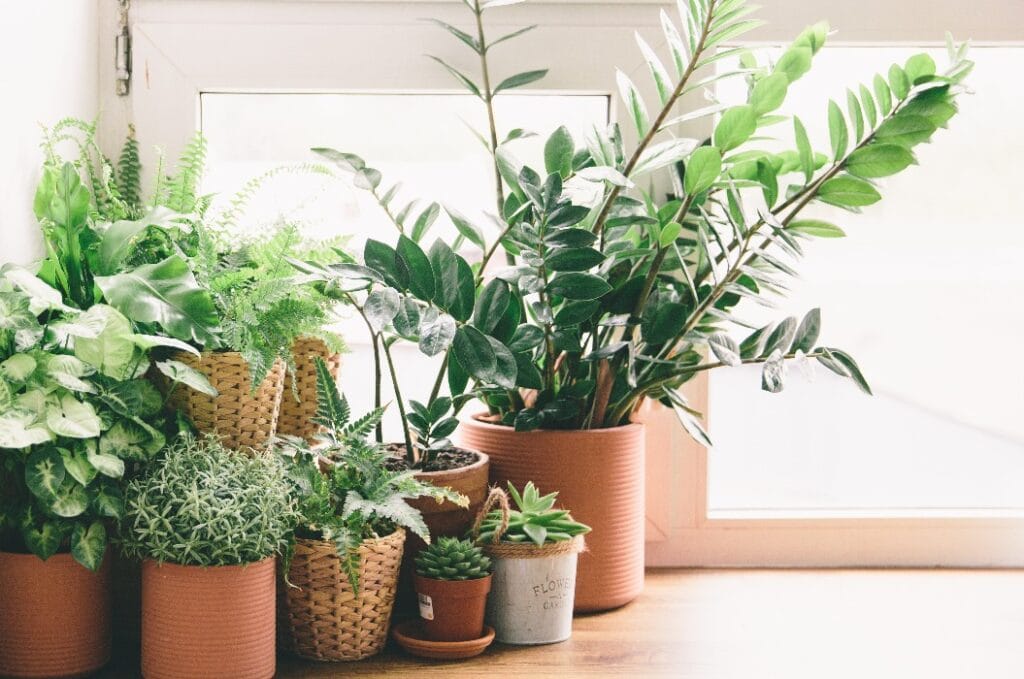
320	617
298	404
241	418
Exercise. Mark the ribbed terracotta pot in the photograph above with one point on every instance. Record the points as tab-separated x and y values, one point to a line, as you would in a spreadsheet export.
452	610
54	616
240	417
299	400
599	476
216	623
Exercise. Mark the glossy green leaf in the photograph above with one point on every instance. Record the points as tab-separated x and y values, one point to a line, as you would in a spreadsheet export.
186	375
474	353
803	146
845	191
520	79
89	544
735	126
491	305
578	285
558	152
634	103
807	332
837	131
878	160
769	93
702	170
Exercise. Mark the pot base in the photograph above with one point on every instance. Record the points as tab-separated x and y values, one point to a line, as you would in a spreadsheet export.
411	638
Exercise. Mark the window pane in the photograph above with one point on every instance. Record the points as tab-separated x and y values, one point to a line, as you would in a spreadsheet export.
925	292
420	140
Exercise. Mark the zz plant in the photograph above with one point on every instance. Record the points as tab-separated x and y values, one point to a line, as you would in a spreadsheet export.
346	491
615	294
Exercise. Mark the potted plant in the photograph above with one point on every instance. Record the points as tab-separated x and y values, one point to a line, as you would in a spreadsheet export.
453	578
614	295
342	571
535	548
75	419
173	269
208	523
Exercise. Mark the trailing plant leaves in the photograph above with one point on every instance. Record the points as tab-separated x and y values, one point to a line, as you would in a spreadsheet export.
89	544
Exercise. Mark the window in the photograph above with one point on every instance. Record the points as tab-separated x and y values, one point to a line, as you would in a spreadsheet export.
925	473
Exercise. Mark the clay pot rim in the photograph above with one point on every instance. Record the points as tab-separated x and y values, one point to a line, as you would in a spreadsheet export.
404	634
58	557
467	589
476	420
156	563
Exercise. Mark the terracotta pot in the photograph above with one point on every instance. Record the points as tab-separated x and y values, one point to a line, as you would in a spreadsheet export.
216	623
448	519
240	417
599	476
54	616
299	400
452	610
443	520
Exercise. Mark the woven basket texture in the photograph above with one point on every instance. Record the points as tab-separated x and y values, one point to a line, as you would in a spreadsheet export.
321	618
298	403
241	418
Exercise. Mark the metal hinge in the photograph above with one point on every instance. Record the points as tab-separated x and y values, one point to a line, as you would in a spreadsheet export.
123	52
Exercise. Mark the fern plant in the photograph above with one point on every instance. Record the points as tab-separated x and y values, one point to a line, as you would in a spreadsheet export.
346	493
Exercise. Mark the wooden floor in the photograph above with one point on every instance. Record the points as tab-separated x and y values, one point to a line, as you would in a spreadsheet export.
756	624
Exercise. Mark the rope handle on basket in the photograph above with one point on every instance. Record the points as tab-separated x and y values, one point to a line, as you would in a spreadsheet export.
499	497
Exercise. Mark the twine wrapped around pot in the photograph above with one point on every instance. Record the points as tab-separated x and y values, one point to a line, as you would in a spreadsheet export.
517	550
299	401
241	418
321	618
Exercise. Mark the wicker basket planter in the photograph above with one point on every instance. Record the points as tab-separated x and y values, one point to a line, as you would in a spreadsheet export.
321	618
298	403
240	417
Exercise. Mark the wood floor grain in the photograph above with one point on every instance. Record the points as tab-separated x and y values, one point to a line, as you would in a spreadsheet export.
761	624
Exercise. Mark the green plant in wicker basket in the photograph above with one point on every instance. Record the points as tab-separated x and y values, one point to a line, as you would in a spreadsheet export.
453	559
535	519
205	505
346	493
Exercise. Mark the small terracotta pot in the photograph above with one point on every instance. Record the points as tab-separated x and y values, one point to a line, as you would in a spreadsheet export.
54	616
299	399
443	520
216	623
452	610
240	417
599	476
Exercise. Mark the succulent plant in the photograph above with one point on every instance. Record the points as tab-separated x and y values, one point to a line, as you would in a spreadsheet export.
453	559
536	519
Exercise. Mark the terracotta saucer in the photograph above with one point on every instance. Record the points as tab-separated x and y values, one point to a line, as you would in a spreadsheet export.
409	636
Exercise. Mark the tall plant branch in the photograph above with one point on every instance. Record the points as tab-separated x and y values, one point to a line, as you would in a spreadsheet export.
691	67
488	97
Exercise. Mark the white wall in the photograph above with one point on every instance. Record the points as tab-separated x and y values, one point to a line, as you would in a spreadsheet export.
49	56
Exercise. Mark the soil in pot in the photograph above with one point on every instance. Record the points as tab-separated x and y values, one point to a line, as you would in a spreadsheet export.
216	622
452	610
54	616
599	475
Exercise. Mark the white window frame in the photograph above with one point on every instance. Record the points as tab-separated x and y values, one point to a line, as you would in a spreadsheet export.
182	48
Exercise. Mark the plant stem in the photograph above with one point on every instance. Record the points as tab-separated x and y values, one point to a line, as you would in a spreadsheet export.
377	380
410	454
488	97
606	208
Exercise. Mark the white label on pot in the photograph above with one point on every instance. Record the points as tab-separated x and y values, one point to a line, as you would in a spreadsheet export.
426	607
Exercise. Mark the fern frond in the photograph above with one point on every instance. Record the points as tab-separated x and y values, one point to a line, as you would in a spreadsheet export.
238	203
332	411
183	187
362	427
129	171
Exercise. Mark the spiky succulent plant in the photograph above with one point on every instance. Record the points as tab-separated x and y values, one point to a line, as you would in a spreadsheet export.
536	519
453	559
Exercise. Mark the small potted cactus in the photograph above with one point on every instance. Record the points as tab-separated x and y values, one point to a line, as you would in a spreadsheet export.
534	548
453	578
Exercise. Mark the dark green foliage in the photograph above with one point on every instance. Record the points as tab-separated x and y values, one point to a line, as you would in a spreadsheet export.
453	559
